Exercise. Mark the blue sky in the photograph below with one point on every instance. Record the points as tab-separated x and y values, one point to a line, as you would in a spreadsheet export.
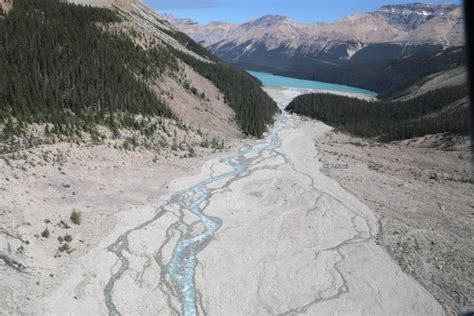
238	11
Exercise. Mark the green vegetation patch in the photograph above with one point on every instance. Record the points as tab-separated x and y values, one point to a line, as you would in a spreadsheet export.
59	65
76	217
45	233
389	121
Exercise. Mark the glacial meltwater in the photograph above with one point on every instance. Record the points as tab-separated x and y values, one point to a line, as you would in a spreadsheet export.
271	80
194	200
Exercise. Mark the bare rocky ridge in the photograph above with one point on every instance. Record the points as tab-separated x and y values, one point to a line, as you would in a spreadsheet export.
446	29
449	78
5	6
294	39
389	23
415	27
409	17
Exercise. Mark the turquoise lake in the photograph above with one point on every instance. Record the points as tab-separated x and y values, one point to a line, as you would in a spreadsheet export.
271	80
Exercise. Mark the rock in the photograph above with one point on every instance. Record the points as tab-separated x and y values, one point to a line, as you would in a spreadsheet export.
12	263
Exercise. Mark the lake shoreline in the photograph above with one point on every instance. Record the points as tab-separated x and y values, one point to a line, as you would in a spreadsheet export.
282	82
301	91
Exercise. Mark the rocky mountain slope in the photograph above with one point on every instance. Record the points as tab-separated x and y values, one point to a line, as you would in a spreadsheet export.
443	79
5	6
409	17
315	50
401	24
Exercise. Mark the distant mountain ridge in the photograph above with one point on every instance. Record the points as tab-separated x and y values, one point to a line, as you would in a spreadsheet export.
278	44
401	24
408	17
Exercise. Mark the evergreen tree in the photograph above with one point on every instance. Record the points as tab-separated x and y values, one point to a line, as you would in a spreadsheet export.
253	107
59	66
426	114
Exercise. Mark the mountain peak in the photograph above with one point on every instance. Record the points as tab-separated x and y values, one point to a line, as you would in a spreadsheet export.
177	21
267	20
218	23
273	17
408	17
417	8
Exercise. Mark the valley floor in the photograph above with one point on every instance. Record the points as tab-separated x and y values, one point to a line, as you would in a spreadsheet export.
422	190
291	239
39	190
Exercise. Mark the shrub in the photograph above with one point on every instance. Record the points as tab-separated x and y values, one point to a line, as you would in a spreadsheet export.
75	217
68	238
65	248
126	145
174	147
45	233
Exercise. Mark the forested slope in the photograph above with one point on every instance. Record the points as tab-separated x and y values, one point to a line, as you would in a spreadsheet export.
254	108
59	67
75	67
439	111
383	75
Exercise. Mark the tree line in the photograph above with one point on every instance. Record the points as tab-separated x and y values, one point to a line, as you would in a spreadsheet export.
385	76
429	113
254	109
58	66
61	64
